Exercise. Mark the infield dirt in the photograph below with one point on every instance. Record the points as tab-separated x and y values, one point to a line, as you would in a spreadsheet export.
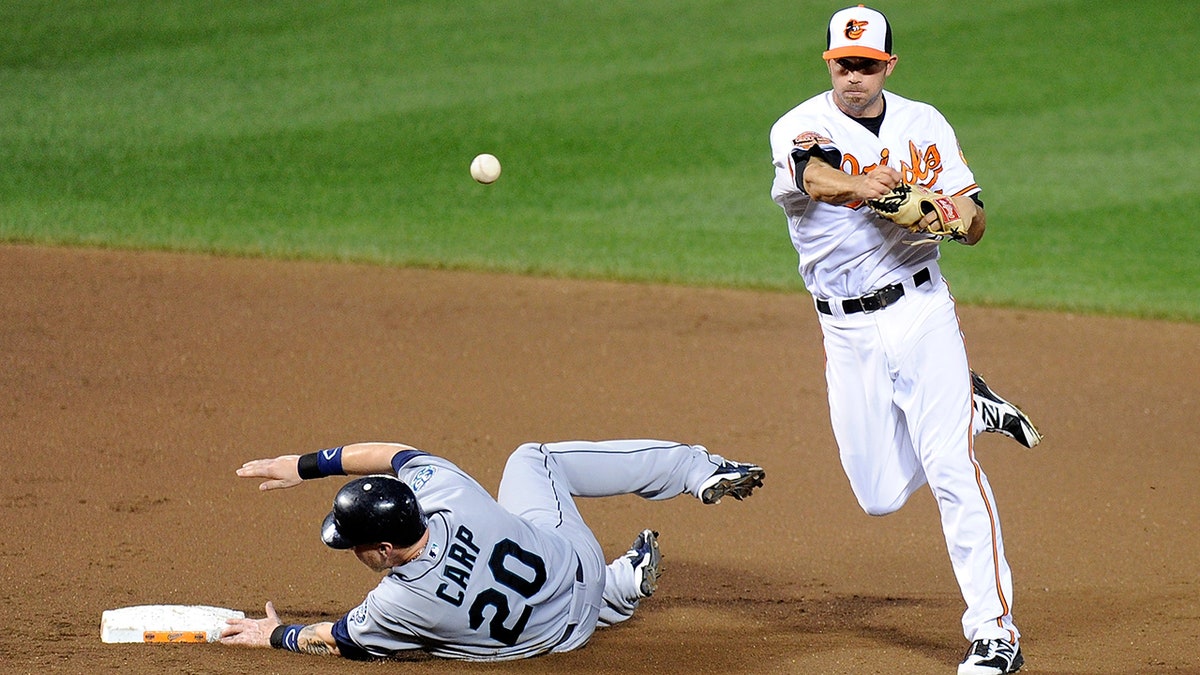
135	383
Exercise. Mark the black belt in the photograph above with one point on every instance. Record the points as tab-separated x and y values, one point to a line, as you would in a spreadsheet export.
877	300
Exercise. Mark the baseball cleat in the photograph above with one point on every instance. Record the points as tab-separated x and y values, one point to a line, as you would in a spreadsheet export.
735	479
647	562
1000	416
991	657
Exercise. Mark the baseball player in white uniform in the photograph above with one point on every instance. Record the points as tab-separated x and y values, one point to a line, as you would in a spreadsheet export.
482	579
900	388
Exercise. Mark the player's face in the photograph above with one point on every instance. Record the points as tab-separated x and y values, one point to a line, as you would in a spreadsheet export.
858	84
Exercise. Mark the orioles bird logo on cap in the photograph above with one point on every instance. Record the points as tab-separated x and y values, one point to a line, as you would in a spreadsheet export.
855	28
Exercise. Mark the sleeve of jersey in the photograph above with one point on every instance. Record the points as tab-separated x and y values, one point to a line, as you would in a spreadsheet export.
380	626
404	457
796	138
800	155
346	646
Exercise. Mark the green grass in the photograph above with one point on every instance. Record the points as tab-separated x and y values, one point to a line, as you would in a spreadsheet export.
633	136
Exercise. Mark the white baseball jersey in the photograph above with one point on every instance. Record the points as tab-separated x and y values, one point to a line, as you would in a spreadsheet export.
898	378
522	574
848	251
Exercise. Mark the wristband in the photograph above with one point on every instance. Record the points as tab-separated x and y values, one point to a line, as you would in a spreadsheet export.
306	466
320	464
286	637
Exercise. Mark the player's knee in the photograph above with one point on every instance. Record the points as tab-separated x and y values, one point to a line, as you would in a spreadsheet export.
879	507
527	451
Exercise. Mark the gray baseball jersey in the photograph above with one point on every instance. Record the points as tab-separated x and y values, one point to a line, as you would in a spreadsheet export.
519	577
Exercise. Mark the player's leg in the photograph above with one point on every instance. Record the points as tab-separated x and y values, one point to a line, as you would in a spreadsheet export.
532	487
934	389
541	480
870	430
536	488
630	578
996	414
652	469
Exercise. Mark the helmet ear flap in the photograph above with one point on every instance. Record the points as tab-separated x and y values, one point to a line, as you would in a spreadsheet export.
373	509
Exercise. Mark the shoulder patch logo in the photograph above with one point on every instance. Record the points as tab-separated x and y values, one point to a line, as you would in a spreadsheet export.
810	138
422	477
358	615
855	29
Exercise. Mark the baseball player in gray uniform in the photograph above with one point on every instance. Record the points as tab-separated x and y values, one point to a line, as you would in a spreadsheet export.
482	579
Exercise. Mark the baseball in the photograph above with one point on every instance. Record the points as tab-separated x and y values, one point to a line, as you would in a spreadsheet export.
485	168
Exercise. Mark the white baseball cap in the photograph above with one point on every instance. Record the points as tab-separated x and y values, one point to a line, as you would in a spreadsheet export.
858	31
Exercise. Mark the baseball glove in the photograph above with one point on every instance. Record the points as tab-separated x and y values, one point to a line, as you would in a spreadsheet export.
906	205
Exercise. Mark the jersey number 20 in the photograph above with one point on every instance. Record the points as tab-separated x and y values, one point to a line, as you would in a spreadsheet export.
506	577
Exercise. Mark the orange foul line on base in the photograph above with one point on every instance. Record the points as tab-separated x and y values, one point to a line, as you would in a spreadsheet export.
174	636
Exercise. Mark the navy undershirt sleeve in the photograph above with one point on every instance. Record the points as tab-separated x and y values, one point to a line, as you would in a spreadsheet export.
403	457
346	646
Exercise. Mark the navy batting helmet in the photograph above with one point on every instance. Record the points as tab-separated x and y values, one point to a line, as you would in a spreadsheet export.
374	509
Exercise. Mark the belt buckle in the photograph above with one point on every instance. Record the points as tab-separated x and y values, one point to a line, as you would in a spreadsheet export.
873	302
